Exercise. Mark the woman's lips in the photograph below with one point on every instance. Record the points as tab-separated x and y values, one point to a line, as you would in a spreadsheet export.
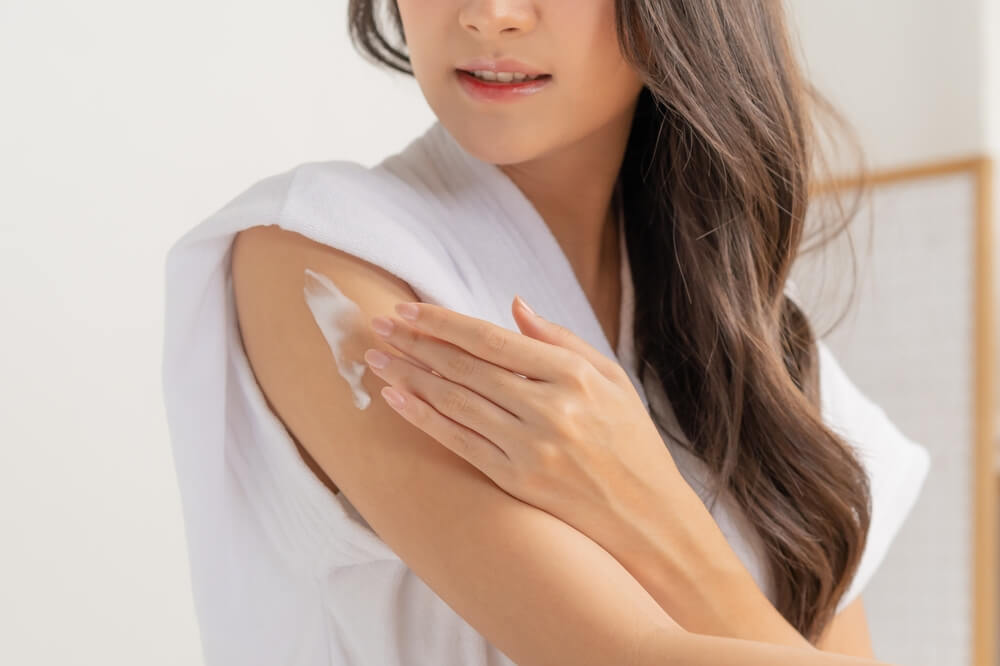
500	91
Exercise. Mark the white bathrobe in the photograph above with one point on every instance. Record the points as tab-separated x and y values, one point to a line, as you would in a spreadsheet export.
286	572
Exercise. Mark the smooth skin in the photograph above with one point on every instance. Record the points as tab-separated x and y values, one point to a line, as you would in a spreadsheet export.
558	425
563	148
538	589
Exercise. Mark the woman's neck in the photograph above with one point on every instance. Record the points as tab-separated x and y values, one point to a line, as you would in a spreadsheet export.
572	189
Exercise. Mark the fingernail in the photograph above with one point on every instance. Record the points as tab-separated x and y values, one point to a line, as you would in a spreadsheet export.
382	325
376	358
393	397
525	306
407	310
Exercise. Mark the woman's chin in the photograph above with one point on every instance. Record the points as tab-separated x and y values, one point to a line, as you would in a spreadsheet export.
499	147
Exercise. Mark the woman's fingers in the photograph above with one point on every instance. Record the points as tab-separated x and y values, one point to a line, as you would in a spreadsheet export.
535	326
461	419
466	444
485	340
518	395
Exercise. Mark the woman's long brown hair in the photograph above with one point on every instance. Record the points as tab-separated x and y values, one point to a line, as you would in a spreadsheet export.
716	181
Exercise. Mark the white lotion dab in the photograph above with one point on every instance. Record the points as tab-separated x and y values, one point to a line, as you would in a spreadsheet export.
336	315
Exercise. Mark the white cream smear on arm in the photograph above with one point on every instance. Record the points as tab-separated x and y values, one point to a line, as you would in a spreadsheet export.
337	315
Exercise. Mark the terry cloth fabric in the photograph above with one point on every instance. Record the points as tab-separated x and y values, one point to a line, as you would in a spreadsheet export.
285	571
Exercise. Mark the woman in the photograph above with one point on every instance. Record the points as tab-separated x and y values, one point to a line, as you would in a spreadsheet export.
531	500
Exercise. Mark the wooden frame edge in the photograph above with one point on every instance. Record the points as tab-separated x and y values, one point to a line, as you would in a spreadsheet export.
985	473
985	554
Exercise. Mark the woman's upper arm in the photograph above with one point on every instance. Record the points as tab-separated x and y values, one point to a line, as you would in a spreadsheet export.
537	589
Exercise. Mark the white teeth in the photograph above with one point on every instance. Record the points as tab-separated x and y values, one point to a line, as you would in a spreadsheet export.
503	77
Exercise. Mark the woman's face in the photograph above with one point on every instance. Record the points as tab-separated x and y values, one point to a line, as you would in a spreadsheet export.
591	87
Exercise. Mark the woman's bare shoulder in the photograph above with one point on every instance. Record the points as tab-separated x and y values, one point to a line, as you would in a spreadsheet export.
536	588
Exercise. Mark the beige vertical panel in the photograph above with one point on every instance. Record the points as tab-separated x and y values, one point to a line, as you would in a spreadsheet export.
919	339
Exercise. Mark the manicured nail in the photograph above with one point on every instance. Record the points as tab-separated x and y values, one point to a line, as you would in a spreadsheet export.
383	326
393	397
525	306
407	310
377	359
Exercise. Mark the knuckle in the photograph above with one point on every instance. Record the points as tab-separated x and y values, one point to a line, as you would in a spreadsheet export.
461	365
565	420
565	410
456	402
489	337
549	456
577	371
495	341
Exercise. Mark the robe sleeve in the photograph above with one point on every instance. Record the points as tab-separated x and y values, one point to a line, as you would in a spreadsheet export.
237	465
897	466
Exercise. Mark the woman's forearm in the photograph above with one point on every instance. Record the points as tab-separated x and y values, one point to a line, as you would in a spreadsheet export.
686	564
664	646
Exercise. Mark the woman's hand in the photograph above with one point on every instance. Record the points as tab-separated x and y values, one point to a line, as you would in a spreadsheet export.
547	417
557	424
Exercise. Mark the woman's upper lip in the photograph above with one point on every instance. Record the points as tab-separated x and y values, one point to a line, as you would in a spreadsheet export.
501	65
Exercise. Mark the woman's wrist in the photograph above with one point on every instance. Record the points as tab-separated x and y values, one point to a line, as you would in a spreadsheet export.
675	550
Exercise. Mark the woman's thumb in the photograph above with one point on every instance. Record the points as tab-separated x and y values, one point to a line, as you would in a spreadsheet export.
535	326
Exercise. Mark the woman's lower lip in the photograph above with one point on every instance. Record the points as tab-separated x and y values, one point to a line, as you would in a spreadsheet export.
498	91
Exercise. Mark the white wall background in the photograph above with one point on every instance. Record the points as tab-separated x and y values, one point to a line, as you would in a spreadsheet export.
990	52
123	125
910	74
